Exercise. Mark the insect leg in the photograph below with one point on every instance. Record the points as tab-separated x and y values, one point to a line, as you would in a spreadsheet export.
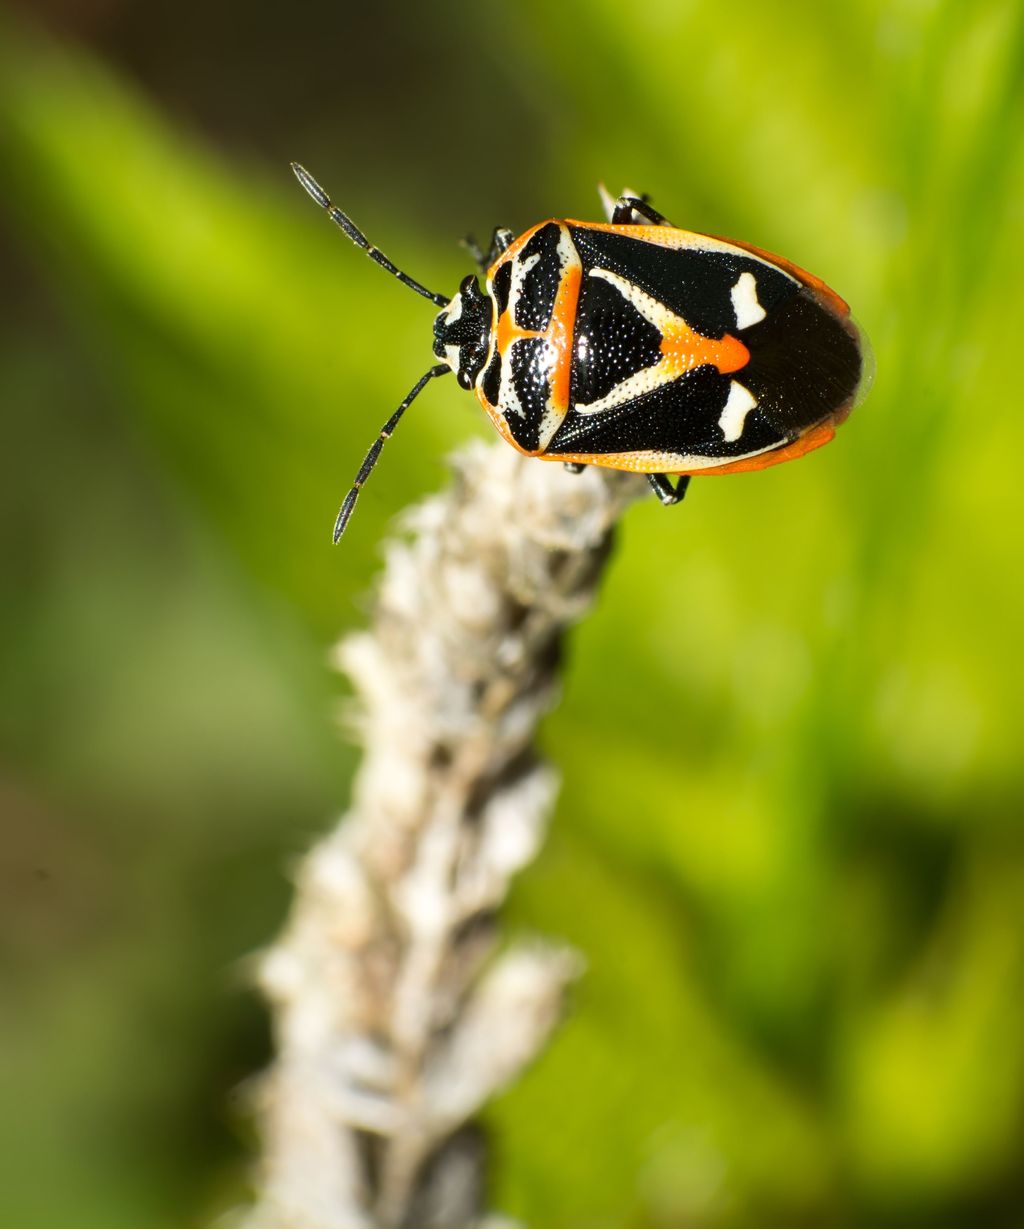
574	467
475	250
665	491
627	208
501	240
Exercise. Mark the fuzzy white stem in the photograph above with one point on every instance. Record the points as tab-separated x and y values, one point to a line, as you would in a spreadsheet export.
394	1020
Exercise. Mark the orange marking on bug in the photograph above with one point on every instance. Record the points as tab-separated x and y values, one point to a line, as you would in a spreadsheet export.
558	335
655	463
507	331
683	349
636	462
815	438
662	236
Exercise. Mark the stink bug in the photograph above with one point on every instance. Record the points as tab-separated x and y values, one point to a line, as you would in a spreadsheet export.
634	345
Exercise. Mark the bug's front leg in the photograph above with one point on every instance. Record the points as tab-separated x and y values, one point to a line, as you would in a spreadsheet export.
500	241
665	491
629	208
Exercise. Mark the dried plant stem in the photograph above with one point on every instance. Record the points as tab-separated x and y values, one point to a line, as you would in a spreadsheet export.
395	1018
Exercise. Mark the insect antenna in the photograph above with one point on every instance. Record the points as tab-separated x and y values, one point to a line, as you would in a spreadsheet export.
358	238
371	457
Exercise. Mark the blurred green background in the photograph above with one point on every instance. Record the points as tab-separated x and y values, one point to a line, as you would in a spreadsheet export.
789	837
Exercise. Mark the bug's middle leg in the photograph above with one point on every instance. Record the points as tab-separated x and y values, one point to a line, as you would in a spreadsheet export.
665	491
629	208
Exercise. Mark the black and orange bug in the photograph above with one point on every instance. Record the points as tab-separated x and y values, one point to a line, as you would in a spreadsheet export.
638	346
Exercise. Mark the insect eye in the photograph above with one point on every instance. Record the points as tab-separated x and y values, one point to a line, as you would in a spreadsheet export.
464	378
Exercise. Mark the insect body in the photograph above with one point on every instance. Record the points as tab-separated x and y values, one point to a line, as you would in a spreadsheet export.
638	346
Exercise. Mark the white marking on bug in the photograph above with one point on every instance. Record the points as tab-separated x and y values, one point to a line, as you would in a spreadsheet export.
451	357
520	268
645	381
744	302
454	309
653	311
738	405
508	398
649	378
567	254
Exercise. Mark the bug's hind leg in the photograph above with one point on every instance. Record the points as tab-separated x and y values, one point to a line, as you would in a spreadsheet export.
665	491
500	241
629	208
574	467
